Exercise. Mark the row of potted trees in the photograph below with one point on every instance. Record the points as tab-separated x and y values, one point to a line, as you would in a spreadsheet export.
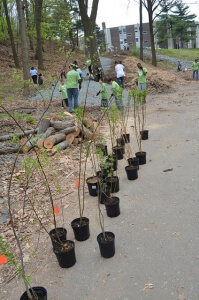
103	184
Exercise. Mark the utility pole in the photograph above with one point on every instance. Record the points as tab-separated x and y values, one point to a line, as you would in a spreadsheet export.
141	33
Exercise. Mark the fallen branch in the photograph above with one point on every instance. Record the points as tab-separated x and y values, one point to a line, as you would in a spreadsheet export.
18	134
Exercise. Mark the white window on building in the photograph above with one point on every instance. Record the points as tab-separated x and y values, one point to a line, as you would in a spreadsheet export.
145	42
121	42
144	32
124	30
125	41
120	31
136	30
137	39
129	34
130	43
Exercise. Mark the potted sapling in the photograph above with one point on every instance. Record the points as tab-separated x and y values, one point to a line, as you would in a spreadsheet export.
139	111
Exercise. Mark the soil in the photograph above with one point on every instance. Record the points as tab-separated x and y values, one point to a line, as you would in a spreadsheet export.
111	201
77	223
92	180
107	238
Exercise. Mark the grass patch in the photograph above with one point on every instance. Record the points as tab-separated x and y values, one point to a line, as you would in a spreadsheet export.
188	54
165	65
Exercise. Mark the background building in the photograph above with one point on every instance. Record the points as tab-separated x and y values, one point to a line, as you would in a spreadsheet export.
125	37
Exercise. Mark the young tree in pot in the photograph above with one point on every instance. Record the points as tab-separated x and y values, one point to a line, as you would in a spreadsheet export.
139	105
113	117
105	239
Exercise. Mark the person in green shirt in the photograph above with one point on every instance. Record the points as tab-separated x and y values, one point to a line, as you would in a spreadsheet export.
89	65
195	68
64	95
141	77
117	91
73	79
104	93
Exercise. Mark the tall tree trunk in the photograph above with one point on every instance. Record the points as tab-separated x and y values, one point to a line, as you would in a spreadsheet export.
72	41
150	14
141	32
39	54
28	25
11	34
89	31
24	45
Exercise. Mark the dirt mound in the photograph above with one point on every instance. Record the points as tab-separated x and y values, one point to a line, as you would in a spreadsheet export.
158	79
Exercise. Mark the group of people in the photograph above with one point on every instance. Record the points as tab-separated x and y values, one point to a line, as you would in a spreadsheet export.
118	86
70	80
37	79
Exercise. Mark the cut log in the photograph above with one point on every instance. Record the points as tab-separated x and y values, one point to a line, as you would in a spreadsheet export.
9	150
63	145
75	141
19	134
88	122
68	130
53	140
60	125
86	132
29	145
43	126
70	138
50	131
76	132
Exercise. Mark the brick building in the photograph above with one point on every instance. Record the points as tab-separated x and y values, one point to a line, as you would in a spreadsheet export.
125	37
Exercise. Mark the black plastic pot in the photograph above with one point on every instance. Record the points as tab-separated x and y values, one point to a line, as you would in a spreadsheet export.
81	232
144	134
134	161
142	157
103	148
126	137
132	172
103	192
107	247
40	291
112	206
118	151
66	258
92	183
58	235
113	183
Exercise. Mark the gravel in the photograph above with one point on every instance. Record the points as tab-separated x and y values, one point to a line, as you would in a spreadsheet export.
174	60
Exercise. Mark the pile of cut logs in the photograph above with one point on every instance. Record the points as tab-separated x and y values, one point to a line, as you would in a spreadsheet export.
52	133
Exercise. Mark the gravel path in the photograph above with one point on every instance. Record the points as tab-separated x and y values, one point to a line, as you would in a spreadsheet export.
174	60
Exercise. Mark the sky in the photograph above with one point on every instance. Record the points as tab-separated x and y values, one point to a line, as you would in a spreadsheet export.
126	12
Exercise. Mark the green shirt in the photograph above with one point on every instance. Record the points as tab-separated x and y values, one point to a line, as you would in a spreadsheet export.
141	76
104	92
72	79
88	62
195	66
116	89
63	90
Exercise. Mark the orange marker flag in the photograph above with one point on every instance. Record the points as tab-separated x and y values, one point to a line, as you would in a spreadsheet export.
3	259
56	210
77	183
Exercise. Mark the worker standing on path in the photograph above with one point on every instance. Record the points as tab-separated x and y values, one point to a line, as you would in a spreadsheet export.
73	79
195	68
141	77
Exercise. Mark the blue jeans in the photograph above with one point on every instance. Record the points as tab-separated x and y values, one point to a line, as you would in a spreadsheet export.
195	72
72	93
120	81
